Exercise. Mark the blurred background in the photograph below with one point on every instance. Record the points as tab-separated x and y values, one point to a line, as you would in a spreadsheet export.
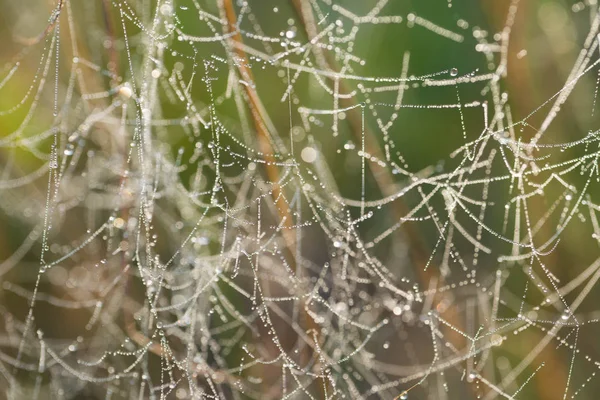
144	144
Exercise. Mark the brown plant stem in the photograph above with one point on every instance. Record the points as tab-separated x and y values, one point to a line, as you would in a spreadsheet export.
51	24
265	146
385	181
550	381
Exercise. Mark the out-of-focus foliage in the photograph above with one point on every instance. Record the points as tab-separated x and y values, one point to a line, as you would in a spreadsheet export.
299	199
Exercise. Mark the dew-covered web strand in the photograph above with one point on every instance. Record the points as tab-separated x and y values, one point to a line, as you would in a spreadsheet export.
200	204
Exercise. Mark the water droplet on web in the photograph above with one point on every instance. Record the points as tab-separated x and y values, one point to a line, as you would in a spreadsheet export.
308	154
166	10
453	72
125	91
201	240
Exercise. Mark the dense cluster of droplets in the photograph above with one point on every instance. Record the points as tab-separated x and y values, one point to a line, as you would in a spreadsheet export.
217	199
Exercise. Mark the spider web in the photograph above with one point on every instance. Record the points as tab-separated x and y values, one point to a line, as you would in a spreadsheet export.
209	199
